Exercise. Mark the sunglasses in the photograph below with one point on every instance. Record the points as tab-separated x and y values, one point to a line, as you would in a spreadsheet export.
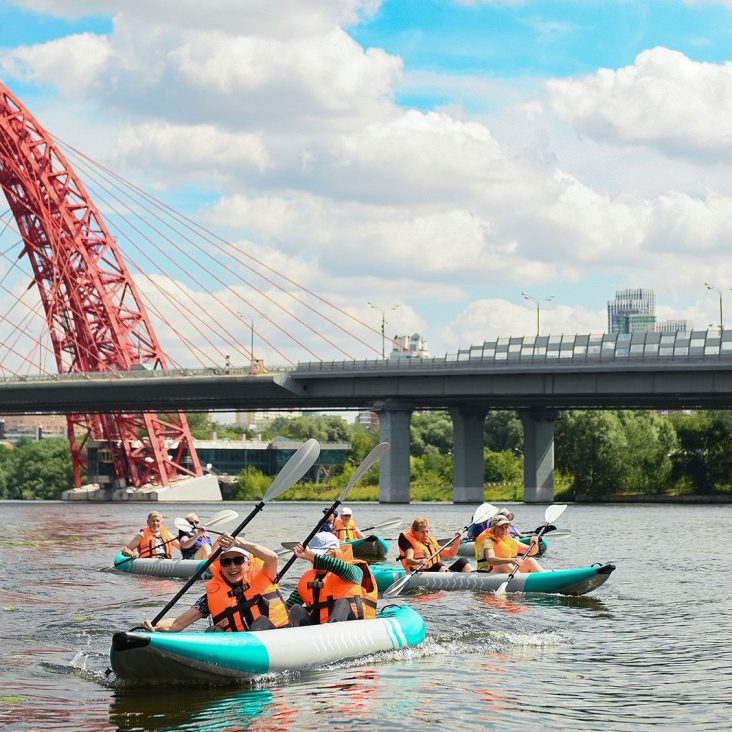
228	561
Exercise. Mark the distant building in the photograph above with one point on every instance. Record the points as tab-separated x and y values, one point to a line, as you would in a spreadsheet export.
413	346
255	421
37	426
632	311
369	420
673	326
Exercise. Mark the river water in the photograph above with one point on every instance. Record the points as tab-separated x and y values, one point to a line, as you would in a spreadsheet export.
652	648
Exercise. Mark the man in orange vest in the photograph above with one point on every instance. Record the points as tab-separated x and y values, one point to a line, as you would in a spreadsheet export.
345	527
337	588
241	596
152	542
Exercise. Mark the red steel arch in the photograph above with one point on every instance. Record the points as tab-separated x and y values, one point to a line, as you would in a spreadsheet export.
95	317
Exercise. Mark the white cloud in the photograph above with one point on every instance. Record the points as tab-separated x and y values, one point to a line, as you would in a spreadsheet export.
664	100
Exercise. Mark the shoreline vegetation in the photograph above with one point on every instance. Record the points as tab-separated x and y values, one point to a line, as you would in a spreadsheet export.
600	456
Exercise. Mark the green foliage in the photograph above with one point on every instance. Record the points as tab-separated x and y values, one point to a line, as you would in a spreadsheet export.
36	470
503	431
704	456
323	429
199	424
592	447
252	484
503	466
430	432
433	468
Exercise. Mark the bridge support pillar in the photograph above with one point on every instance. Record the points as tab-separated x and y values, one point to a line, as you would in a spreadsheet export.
394	467
467	454
539	454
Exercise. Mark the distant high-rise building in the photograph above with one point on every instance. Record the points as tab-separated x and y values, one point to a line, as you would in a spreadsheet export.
673	326
632	311
413	346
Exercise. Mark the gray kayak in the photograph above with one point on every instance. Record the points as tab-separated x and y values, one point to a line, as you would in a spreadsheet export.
181	568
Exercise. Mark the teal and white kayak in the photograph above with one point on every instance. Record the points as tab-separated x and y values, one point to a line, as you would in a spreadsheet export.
182	568
370	547
176	657
560	581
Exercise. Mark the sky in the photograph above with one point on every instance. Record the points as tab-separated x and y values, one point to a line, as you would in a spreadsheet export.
437	158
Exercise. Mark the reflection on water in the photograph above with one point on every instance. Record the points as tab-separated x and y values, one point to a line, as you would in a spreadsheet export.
649	649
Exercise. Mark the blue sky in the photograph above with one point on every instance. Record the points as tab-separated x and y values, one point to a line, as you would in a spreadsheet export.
443	156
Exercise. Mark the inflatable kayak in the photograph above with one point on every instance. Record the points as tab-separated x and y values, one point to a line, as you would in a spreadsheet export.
467	548
175	657
370	547
561	581
182	568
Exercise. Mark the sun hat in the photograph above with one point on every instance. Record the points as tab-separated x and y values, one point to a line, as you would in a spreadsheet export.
499	520
345	511
236	550
323	542
505	512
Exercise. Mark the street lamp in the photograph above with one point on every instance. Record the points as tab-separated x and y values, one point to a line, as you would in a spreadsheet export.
537	302
719	291
383	324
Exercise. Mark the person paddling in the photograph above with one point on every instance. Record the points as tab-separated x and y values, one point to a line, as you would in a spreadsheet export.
345	527
195	544
497	551
417	545
242	595
152	542
337	588
477	529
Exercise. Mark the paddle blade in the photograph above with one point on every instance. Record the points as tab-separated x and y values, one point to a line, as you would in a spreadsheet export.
395	588
221	517
182	525
365	466
502	588
554	511
391	524
294	469
484	512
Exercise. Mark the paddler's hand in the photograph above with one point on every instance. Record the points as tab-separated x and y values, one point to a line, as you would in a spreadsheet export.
226	541
302	553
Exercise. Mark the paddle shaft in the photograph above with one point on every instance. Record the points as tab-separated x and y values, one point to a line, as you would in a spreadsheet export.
214	556
292	559
539	534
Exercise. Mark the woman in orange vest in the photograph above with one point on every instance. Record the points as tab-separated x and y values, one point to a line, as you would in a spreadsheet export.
242	594
497	551
337	588
416	546
345	527
152	542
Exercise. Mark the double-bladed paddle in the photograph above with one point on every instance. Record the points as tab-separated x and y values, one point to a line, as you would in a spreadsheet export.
367	463
484	512
394	523
551	514
294	469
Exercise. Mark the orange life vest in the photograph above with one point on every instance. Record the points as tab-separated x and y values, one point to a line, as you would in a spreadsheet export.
149	543
346	531
421	550
236	607
319	589
504	548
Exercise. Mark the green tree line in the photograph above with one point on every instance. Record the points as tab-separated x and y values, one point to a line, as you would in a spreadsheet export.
597	453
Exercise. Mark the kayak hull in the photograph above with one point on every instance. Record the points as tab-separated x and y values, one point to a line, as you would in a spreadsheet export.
195	656
370	547
563	582
181	568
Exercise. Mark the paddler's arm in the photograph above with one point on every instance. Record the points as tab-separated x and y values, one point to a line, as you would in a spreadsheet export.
452	550
347	572
130	550
175	625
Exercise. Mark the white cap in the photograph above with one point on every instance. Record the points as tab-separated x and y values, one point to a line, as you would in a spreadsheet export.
323	542
500	520
236	550
345	511
505	512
